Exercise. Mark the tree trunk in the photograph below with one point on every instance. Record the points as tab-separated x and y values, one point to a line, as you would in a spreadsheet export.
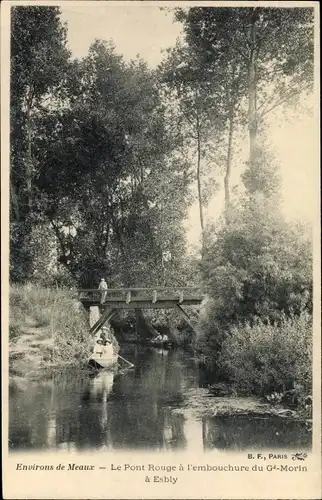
228	165
252	114
61	245
29	158
14	201
107	226
199	180
163	269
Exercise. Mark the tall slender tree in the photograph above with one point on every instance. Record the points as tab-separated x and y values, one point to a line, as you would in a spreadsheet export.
269	52
199	118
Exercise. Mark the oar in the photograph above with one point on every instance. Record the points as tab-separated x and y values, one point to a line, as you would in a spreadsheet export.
126	361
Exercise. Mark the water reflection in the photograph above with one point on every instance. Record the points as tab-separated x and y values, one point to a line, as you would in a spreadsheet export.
237	433
140	408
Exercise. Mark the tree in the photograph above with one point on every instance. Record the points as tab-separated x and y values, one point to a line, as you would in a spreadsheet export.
258	267
198	117
38	60
267	51
112	150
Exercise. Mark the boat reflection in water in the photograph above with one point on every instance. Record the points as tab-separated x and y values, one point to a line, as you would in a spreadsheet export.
102	384
95	405
151	406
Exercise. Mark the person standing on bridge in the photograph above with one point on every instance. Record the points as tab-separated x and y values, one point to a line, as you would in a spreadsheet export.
103	286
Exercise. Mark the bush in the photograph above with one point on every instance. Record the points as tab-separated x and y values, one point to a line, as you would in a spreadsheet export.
263	358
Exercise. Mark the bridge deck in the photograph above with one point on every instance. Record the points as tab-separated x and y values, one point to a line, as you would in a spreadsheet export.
144	298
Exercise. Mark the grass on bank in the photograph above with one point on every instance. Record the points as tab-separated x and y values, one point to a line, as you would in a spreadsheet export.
46	327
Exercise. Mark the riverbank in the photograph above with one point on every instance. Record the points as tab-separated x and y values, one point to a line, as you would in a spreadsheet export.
47	329
202	402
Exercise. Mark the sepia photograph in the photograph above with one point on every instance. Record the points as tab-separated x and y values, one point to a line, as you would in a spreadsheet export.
163	196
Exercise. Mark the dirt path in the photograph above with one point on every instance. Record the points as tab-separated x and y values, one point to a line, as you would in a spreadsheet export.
27	352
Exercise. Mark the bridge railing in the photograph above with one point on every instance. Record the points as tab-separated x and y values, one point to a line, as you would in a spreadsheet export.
141	294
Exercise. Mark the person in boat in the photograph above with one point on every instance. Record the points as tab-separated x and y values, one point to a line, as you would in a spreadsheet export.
105	333
102	340
99	348
165	338
103	286
103	348
104	337
157	339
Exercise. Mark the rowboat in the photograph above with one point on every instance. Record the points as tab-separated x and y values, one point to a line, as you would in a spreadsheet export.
103	355
161	345
168	344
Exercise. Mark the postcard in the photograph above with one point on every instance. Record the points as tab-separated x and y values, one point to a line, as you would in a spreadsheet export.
160	250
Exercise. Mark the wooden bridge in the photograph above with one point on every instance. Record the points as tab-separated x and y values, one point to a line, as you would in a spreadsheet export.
113	299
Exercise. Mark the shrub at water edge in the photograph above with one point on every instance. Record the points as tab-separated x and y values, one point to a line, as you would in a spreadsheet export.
263	358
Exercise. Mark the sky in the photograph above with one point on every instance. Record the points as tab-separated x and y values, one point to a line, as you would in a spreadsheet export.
142	29
147	31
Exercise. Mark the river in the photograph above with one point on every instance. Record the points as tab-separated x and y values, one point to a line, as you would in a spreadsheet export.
160	404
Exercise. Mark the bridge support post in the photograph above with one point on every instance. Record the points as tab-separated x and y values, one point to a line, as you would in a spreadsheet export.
106	316
137	322
187	318
143	326
87	311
